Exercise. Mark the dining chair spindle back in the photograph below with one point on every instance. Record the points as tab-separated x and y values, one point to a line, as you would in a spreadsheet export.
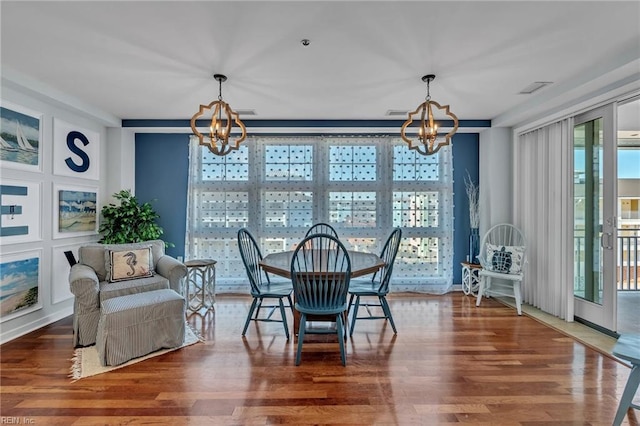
377	286
322	228
262	287
320	271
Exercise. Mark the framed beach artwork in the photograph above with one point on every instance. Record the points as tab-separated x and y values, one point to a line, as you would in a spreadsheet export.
75	211
19	284
20	211
76	151
20	138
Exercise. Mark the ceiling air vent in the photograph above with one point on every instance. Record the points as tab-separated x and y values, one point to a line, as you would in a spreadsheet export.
396	113
536	85
246	111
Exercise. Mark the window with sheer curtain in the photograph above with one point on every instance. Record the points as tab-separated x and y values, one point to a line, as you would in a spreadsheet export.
277	187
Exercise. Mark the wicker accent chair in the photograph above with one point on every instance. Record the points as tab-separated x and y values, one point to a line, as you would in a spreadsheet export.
503	257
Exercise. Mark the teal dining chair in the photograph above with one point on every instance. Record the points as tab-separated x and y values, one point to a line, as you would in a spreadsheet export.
377	286
261	284
322	228
627	347
320	272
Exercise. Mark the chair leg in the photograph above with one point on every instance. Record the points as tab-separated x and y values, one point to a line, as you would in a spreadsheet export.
354	315
480	290
258	307
290	304
628	394
340	332
350	303
284	318
345	323
249	317
387	312
303	320
518	296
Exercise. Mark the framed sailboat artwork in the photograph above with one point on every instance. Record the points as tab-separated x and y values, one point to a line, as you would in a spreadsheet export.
20	138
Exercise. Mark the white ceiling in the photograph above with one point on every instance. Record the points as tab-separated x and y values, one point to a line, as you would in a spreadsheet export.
155	59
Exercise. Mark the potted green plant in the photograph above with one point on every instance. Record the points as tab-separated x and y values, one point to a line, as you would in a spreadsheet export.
129	222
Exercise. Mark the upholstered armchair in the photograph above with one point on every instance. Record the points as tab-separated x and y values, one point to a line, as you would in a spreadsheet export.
105	271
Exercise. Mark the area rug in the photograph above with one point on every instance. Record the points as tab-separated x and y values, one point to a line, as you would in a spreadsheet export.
85	362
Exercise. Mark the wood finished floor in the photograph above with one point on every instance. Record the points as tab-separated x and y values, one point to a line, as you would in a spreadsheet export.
450	363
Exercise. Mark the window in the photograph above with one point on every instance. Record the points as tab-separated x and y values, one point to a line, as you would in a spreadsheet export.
278	187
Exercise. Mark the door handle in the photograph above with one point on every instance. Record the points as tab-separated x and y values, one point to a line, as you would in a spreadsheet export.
609	237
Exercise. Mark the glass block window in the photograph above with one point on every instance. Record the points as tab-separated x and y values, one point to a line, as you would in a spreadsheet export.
352	163
288	209
277	187
224	209
231	167
415	209
352	209
288	162
410	166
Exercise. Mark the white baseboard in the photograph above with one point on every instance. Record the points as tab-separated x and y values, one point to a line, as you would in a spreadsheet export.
14	333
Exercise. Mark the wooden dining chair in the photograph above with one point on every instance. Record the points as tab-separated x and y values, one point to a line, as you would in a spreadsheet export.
322	228
320	272
261	285
377	286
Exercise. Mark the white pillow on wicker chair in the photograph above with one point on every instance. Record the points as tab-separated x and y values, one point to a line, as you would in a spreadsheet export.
504	259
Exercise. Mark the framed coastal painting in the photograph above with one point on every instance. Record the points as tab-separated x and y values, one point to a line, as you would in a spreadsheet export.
19	284
20	211
75	211
76	151
20	138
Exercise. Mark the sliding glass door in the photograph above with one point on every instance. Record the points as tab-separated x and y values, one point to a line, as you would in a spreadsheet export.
595	200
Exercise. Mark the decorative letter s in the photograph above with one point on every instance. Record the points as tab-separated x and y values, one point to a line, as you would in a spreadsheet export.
84	166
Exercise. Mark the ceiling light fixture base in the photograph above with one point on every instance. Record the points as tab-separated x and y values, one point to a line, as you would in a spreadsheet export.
221	78
428	78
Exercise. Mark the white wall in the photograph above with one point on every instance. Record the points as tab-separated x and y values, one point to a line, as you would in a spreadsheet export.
496	183
114	174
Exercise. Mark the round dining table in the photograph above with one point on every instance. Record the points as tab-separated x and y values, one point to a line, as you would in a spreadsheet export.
280	264
361	263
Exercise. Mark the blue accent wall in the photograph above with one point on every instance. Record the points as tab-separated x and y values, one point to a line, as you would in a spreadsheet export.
162	172
466	156
162	169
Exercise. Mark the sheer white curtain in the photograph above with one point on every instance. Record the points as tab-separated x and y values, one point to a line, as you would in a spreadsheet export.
544	211
277	187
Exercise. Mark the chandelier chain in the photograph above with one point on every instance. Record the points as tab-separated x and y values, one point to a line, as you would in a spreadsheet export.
428	97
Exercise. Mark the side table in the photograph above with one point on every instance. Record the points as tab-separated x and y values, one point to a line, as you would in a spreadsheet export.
470	278
201	284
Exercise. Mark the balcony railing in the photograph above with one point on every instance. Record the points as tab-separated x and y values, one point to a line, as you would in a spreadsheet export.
627	270
628	257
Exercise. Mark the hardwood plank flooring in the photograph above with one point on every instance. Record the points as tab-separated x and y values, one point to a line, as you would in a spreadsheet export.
450	363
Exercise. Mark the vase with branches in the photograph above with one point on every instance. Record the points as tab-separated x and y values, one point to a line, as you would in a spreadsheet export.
473	190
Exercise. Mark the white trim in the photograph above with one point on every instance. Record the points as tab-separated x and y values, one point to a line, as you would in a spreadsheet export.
394	130
49	95
622	94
